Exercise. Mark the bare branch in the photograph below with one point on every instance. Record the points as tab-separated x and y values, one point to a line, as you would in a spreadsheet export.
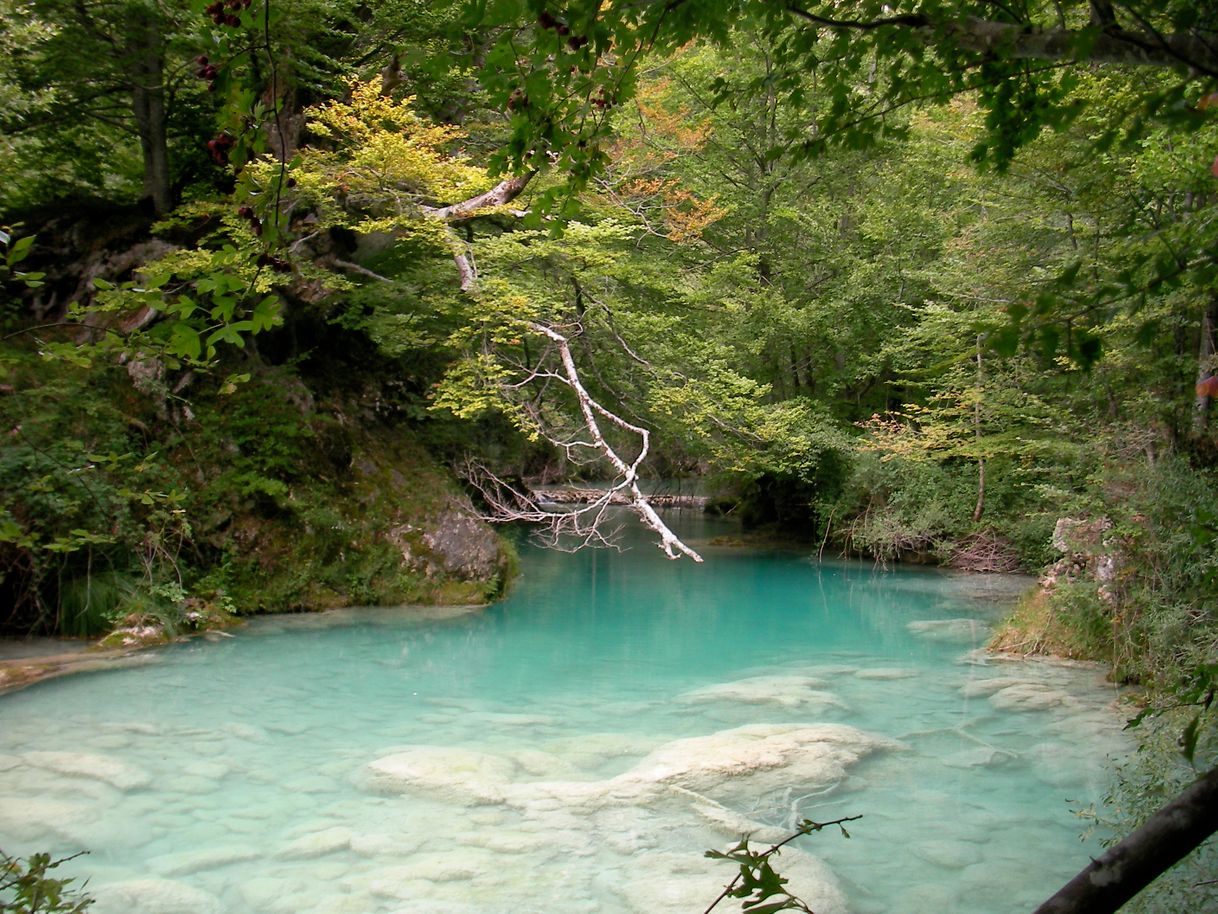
362	271
586	524
567	531
501	194
629	478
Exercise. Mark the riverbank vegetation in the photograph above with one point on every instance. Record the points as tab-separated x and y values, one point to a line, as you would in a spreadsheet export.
271	270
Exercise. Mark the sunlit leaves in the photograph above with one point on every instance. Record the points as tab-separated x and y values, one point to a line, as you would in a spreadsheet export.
376	164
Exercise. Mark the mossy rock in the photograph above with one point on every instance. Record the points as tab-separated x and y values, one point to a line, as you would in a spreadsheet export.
395	528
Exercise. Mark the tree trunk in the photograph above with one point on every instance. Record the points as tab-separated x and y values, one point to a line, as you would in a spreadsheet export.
1207	383
148	106
1124	870
980	507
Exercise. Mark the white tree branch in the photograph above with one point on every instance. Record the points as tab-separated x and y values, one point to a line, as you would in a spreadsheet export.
629	472
586	525
501	194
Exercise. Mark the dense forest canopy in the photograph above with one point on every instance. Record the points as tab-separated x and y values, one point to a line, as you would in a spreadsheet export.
916	280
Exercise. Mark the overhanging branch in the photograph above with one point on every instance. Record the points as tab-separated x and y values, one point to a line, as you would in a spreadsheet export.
501	194
1106	44
1124	870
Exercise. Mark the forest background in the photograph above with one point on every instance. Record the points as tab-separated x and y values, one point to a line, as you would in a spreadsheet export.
915	282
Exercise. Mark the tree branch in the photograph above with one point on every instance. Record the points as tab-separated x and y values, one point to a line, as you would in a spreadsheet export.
629	485
586	525
501	194
1124	870
1021	40
508	503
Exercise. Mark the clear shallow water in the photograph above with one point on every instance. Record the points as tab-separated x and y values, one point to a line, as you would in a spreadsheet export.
575	748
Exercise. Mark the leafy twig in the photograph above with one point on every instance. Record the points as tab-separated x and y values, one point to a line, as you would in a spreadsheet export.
758	881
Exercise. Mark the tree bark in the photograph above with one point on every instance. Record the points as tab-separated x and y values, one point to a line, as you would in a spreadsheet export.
148	107
1124	870
500	195
1206	381
672	545
980	507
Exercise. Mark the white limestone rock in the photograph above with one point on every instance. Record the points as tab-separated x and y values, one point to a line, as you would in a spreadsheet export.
543	764
886	673
675	882
107	769
385	844
731	824
727	766
978	757
246	732
153	896
1031	696
945	854
187	863
464	776
32	818
590	751
816	754
785	691
207	768
986	687
317	844
109	741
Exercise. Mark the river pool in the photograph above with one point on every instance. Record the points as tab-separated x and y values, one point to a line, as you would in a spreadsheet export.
576	748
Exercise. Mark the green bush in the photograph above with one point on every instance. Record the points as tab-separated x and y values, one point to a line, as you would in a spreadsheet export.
899	507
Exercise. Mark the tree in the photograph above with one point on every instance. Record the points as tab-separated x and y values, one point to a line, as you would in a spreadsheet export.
119	68
1018	59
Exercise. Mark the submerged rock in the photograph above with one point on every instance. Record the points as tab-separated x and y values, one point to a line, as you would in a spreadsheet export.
1031	696
946	854
886	673
675	882
187	863
153	896
966	630
115	772
786	691
27	817
806	754
461	775
743	762
318	844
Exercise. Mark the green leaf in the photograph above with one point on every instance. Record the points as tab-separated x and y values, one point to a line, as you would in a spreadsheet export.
184	341
232	382
230	333
265	314
20	249
1188	739
758	908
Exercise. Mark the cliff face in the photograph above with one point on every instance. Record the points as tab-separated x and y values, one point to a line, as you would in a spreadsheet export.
150	496
174	504
387	526
322	499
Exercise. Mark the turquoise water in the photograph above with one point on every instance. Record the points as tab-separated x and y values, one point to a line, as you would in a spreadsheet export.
575	748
